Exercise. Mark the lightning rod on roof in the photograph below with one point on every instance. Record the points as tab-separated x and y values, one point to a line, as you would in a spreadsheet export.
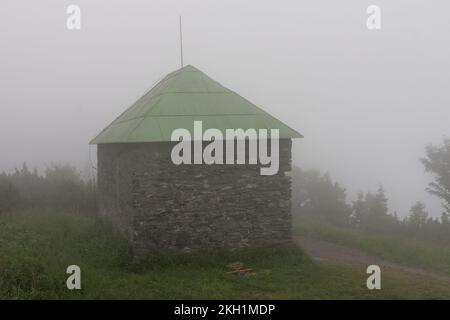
181	43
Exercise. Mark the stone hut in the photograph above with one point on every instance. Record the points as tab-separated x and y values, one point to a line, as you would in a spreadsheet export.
158	204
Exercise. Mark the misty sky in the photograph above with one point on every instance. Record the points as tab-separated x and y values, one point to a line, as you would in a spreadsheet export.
366	101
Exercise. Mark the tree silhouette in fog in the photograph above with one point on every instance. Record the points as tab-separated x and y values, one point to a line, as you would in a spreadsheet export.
437	162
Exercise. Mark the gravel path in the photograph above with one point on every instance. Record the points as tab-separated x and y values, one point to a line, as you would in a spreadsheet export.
327	251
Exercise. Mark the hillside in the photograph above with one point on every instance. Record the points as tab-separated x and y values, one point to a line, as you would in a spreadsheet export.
37	247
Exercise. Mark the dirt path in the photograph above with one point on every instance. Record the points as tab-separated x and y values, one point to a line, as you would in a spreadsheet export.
327	251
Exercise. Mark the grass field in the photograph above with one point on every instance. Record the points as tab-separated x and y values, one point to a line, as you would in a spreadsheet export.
37	247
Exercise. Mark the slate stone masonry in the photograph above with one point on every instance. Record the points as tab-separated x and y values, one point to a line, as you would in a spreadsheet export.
157	204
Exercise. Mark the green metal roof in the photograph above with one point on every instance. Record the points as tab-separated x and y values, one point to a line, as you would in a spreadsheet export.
182	97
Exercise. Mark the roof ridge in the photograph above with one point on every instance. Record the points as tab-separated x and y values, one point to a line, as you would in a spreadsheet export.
197	115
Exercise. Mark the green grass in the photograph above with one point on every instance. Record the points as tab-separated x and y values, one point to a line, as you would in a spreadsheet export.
404	250
37	247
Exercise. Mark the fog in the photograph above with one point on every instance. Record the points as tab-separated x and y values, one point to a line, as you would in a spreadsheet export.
367	102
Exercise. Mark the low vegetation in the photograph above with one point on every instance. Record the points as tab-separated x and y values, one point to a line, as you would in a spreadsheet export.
60	186
37	246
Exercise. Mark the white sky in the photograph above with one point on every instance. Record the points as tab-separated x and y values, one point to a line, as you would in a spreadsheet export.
367	101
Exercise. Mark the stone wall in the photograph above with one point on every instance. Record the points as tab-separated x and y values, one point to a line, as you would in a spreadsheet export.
157	204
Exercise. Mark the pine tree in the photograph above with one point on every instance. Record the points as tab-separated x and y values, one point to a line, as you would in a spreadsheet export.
418	216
